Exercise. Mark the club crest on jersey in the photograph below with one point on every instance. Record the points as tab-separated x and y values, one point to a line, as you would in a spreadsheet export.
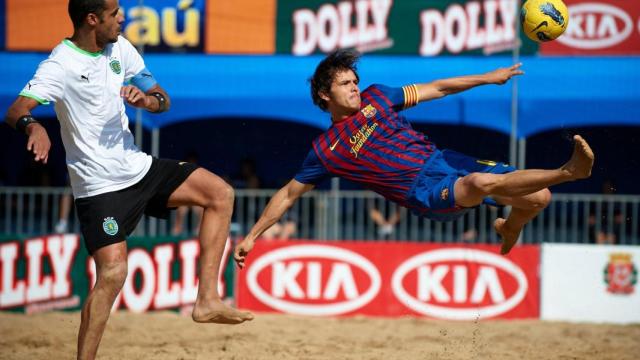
110	226
369	111
115	66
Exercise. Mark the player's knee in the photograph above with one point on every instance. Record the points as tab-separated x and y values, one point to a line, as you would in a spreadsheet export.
221	197
541	199
112	276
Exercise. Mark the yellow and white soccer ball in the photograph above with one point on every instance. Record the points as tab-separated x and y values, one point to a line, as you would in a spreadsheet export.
544	20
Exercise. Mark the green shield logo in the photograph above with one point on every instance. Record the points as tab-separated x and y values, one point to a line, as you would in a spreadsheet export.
110	226
115	66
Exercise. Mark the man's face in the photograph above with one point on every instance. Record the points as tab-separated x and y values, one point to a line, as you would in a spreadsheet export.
344	95
110	24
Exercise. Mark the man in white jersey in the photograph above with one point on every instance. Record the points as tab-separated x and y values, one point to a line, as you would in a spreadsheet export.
113	182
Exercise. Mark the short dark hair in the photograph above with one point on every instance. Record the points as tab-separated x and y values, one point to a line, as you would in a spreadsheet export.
339	60
79	9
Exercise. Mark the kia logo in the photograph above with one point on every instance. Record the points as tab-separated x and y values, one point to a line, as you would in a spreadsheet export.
336	262
432	268
596	26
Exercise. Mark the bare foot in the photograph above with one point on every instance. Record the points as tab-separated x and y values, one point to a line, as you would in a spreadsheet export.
219	313
581	162
509	237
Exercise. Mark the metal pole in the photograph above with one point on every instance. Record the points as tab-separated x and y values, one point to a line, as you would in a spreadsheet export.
513	150
335	206
140	47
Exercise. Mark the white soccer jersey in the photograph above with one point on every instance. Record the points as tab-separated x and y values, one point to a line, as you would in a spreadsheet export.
101	154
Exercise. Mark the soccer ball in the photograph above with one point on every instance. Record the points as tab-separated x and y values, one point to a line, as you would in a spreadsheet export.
544	20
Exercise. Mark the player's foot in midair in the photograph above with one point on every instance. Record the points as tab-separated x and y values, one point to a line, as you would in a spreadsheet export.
219	313
509	236
581	162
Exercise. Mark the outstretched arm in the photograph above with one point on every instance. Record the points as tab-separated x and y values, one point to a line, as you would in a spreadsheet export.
38	142
444	87
277	206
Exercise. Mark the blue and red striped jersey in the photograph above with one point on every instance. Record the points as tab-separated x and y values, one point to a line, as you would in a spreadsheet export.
375	147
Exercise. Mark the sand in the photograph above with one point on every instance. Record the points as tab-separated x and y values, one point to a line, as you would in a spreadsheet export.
168	335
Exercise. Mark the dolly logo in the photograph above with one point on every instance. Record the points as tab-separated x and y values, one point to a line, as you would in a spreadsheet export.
620	274
115	66
110	226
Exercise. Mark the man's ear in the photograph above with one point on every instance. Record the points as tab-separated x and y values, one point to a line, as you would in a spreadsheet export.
92	19
323	96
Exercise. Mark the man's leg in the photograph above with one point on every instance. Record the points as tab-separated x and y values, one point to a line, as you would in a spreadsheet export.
111	272
471	189
202	188
523	210
524	189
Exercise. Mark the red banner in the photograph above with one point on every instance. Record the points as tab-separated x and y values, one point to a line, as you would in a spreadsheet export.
599	27
456	282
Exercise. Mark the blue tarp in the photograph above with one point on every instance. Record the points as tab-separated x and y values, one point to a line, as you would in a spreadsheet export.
554	93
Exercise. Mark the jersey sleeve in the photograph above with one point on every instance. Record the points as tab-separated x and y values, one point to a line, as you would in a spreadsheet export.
132	62
312	170
400	98
47	84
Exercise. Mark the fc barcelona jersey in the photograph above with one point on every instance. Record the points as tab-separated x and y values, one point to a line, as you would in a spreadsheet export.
375	147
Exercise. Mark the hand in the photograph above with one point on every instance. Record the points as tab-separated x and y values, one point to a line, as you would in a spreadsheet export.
135	97
502	75
242	250
38	142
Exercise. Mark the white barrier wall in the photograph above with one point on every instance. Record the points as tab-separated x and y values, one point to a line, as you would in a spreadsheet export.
596	283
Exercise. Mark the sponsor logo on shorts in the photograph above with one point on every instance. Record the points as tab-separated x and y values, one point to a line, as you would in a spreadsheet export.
369	111
620	274
444	194
110	226
316	280
459	284
487	162
115	66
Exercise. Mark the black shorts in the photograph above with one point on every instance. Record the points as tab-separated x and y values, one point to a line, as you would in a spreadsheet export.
108	218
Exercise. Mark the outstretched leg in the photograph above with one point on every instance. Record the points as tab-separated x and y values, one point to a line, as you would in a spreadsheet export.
111	273
202	188
471	189
524	189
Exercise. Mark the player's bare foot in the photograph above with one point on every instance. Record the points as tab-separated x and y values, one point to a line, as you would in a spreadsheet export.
509	236
581	162
219	313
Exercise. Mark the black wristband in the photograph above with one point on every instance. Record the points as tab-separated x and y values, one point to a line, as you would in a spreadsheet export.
23	121
162	102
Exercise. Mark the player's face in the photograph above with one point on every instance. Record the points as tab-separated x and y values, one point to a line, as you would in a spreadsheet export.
110	24
344	95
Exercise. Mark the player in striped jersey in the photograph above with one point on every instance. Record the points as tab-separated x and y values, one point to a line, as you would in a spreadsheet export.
370	143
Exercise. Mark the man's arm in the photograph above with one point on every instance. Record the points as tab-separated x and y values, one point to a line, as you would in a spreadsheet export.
444	87
277	206
38	140
154	100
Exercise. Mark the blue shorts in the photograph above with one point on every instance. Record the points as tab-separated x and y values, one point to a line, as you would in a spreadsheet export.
431	195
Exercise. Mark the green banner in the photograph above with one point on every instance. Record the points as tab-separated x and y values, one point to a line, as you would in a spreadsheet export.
412	27
54	272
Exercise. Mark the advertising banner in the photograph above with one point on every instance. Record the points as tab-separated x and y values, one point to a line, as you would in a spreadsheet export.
54	272
599	27
390	279
590	283
431	28
159	25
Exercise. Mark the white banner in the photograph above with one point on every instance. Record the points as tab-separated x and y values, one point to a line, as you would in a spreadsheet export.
596	283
